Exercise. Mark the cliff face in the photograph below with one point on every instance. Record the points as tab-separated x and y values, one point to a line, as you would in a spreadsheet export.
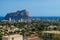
1	18
17	15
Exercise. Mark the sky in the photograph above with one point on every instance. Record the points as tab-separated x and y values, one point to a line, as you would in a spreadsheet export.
34	7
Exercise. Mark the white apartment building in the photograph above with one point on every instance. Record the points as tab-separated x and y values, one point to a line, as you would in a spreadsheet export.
13	37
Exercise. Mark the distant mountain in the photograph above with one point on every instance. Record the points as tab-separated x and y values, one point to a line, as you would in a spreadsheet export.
17	15
1	18
25	14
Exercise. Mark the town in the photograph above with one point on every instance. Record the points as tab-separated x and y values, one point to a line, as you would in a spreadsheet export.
20	26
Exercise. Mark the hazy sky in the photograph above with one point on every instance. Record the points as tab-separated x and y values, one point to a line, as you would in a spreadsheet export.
35	7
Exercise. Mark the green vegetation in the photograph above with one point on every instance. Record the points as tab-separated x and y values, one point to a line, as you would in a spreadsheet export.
35	27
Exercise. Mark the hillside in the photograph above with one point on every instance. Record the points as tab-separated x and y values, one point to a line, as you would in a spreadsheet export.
17	15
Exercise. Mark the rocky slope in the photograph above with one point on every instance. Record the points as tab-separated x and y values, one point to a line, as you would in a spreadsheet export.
17	15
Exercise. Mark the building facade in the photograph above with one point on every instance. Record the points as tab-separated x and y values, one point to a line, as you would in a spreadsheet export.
13	37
